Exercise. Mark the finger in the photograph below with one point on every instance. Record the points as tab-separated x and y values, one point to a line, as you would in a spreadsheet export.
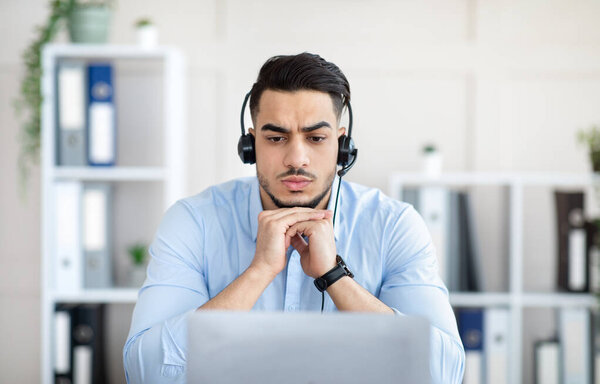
298	217
284	212
302	227
299	244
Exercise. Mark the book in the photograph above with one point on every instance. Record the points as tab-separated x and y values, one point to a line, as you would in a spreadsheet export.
71	85
101	125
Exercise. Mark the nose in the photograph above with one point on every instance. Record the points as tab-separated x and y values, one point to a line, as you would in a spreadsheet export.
296	155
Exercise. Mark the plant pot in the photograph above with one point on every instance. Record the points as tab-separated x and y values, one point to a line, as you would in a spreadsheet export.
137	275
432	164
89	24
147	36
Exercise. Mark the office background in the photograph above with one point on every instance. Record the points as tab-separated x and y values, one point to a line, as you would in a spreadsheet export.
499	85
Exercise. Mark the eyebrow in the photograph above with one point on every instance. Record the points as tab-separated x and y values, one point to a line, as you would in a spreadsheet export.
314	127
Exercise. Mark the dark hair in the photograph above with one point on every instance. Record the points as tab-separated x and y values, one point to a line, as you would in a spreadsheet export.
305	71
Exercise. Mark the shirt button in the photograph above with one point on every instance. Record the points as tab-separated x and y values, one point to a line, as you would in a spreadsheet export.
291	308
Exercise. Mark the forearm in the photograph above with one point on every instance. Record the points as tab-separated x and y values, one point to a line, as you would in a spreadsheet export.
243	292
158	354
348	295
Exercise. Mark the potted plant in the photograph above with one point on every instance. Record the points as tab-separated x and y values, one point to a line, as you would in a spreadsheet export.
29	103
591	138
138	253
432	161
89	21
147	33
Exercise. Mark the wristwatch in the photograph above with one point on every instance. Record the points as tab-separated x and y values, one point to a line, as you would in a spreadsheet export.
336	273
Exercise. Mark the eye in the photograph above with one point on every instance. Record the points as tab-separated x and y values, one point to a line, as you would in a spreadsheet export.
316	139
276	139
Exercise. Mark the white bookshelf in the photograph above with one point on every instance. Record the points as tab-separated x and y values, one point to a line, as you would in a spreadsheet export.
516	299
168	176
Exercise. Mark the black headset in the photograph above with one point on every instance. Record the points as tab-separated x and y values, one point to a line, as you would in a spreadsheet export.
347	152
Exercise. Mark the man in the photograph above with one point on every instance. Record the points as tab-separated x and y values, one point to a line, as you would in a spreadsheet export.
259	243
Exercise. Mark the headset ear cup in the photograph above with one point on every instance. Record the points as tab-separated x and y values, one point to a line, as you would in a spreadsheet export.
246	149
345	150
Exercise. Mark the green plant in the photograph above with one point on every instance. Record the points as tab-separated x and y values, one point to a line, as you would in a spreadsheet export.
591	138
429	148
143	22
138	253
28	105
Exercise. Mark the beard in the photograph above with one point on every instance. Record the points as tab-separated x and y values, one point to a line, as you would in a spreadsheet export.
264	183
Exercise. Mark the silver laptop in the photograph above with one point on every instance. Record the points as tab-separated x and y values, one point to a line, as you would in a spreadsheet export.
277	347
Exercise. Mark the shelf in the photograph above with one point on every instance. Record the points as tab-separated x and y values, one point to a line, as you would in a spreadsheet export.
479	299
558	300
496	178
539	300
106	51
108	173
113	295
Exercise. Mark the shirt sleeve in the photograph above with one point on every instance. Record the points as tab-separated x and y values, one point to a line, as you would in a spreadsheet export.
412	286
156	345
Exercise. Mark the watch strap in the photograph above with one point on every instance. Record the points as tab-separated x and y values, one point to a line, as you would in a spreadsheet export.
333	275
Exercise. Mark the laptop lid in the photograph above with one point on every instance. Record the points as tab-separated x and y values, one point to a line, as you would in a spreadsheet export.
305	347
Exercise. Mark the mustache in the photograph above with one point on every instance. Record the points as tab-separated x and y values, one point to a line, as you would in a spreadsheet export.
296	172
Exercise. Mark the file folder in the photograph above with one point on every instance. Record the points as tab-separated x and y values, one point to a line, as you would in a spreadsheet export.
88	344
547	362
101	131
71	85
67	260
573	255
575	340
470	328
97	199
62	344
496	339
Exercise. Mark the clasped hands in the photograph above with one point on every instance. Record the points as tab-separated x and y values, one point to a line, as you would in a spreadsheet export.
280	228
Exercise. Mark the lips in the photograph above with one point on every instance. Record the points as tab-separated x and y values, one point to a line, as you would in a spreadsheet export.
296	183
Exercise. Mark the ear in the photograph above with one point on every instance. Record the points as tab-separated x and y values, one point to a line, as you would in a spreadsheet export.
252	132
341	131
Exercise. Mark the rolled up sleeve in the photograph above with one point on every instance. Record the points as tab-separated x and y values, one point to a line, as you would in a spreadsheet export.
156	347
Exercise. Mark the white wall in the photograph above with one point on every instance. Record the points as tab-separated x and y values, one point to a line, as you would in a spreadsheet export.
496	84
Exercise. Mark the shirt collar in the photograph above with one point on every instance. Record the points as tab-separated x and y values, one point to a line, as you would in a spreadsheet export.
256	207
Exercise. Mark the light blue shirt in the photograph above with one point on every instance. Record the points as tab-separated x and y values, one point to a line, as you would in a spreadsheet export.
206	241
